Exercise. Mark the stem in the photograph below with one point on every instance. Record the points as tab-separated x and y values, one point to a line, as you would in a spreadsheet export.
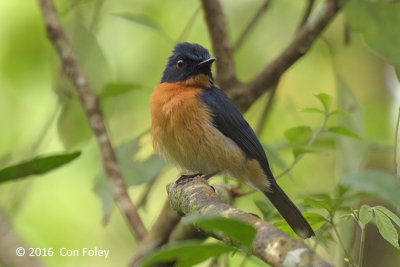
396	146
46	128
309	144
362	242
251	25
265	112
341	243
244	261
307	13
189	25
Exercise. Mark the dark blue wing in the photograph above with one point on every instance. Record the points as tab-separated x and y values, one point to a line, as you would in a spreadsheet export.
229	121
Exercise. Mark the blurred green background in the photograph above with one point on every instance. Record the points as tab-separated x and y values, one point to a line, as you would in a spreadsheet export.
124	45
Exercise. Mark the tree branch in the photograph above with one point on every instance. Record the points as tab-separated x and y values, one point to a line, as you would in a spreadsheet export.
158	234
270	245
215	19
168	228
72	68
251	24
303	41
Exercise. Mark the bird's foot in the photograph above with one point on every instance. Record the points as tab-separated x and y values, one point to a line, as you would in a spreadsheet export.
186	177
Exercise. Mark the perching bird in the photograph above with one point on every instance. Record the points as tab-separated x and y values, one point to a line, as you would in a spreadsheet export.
198	128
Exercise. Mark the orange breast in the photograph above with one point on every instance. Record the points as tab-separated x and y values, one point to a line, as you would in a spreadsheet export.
183	132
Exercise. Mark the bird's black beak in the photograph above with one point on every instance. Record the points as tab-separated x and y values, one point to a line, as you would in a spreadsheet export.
206	62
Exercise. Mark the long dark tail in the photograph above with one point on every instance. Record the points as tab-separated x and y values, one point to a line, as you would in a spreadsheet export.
289	211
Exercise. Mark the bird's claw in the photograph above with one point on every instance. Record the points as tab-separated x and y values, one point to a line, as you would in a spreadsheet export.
186	177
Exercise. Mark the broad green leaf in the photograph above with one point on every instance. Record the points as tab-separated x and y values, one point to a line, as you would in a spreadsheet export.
315	220
298	134
325	201
73	125
274	158
144	21
339	112
239	231
388	213
298	151
134	172
377	21
317	203
325	100
91	56
186	253
139	19
39	165
386	228
365	214
313	110
268	211
344	131
383	185
116	89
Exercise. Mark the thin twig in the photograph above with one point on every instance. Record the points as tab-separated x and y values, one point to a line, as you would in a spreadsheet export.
250	26
307	13
73	69
308	146
216	23
396	146
362	245
188	25
300	45
265	112
341	243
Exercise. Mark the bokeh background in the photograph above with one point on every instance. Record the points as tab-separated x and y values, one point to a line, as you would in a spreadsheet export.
124	45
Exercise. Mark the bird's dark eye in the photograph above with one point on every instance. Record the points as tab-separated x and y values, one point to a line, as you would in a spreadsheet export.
180	63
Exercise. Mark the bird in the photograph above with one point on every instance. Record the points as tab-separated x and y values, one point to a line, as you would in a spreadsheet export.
196	127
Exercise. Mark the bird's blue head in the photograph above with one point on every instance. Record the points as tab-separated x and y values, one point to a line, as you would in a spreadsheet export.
187	61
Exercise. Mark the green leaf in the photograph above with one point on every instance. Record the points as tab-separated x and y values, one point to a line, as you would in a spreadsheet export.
365	214
386	228
91	56
315	220
313	110
325	100
139	19
116	89
135	172
268	211
344	131
186	253
383	185
144	21
72	125
325	201
298	151
274	158
339	112
39	165
239	231
298	134
322	203
377	21
389	214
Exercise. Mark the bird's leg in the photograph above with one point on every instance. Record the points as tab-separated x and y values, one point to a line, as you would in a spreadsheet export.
208	176
185	177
